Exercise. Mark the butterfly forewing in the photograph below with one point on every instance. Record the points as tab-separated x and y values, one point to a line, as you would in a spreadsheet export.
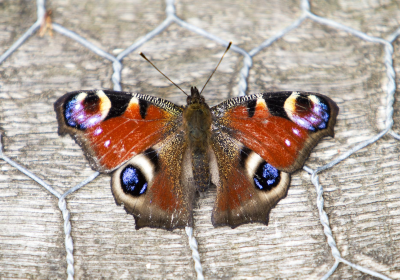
112	127
281	127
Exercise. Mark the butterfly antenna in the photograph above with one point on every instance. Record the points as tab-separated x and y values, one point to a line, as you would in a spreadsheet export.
229	45
142	55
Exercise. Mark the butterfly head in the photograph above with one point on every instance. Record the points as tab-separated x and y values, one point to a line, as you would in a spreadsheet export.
195	97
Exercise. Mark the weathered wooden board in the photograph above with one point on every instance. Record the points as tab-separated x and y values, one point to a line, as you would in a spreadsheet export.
362	194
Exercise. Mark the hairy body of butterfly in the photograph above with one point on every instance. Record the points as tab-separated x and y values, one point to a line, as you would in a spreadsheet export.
160	153
197	124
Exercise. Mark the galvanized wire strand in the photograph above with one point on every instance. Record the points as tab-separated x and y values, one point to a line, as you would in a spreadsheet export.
365	270
69	245
195	253
331	271
248	62
27	172
116	77
40	9
278	35
81	184
20	41
392	37
68	33
328	232
395	135
323	217
145	38
244	74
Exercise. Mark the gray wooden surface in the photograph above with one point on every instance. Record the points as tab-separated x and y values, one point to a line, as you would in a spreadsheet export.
362	194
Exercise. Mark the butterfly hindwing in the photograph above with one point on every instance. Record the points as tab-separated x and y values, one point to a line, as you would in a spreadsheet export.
247	186
257	141
112	127
155	186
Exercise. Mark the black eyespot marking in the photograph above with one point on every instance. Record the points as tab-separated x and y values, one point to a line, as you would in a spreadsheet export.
251	107
132	181
303	103
267	177
152	155
275	103
91	103
119	103
244	154
143	105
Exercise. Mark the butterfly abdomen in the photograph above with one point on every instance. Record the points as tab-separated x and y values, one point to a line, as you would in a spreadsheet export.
197	126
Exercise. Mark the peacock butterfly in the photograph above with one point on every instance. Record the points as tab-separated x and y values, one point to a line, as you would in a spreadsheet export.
160	154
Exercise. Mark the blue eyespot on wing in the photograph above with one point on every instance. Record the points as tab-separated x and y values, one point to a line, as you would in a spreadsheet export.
266	177
133	181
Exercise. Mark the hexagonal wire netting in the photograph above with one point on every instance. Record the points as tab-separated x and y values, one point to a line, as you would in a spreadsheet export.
172	18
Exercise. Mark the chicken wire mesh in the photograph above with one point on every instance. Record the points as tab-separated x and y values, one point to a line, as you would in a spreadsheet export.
301	52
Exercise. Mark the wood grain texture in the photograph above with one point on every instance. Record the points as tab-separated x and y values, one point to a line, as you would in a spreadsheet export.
362	194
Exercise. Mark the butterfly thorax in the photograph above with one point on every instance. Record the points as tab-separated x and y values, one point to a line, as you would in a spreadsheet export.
197	121
197	127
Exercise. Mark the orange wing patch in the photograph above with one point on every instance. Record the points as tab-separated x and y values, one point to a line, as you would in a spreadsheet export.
116	140
277	140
